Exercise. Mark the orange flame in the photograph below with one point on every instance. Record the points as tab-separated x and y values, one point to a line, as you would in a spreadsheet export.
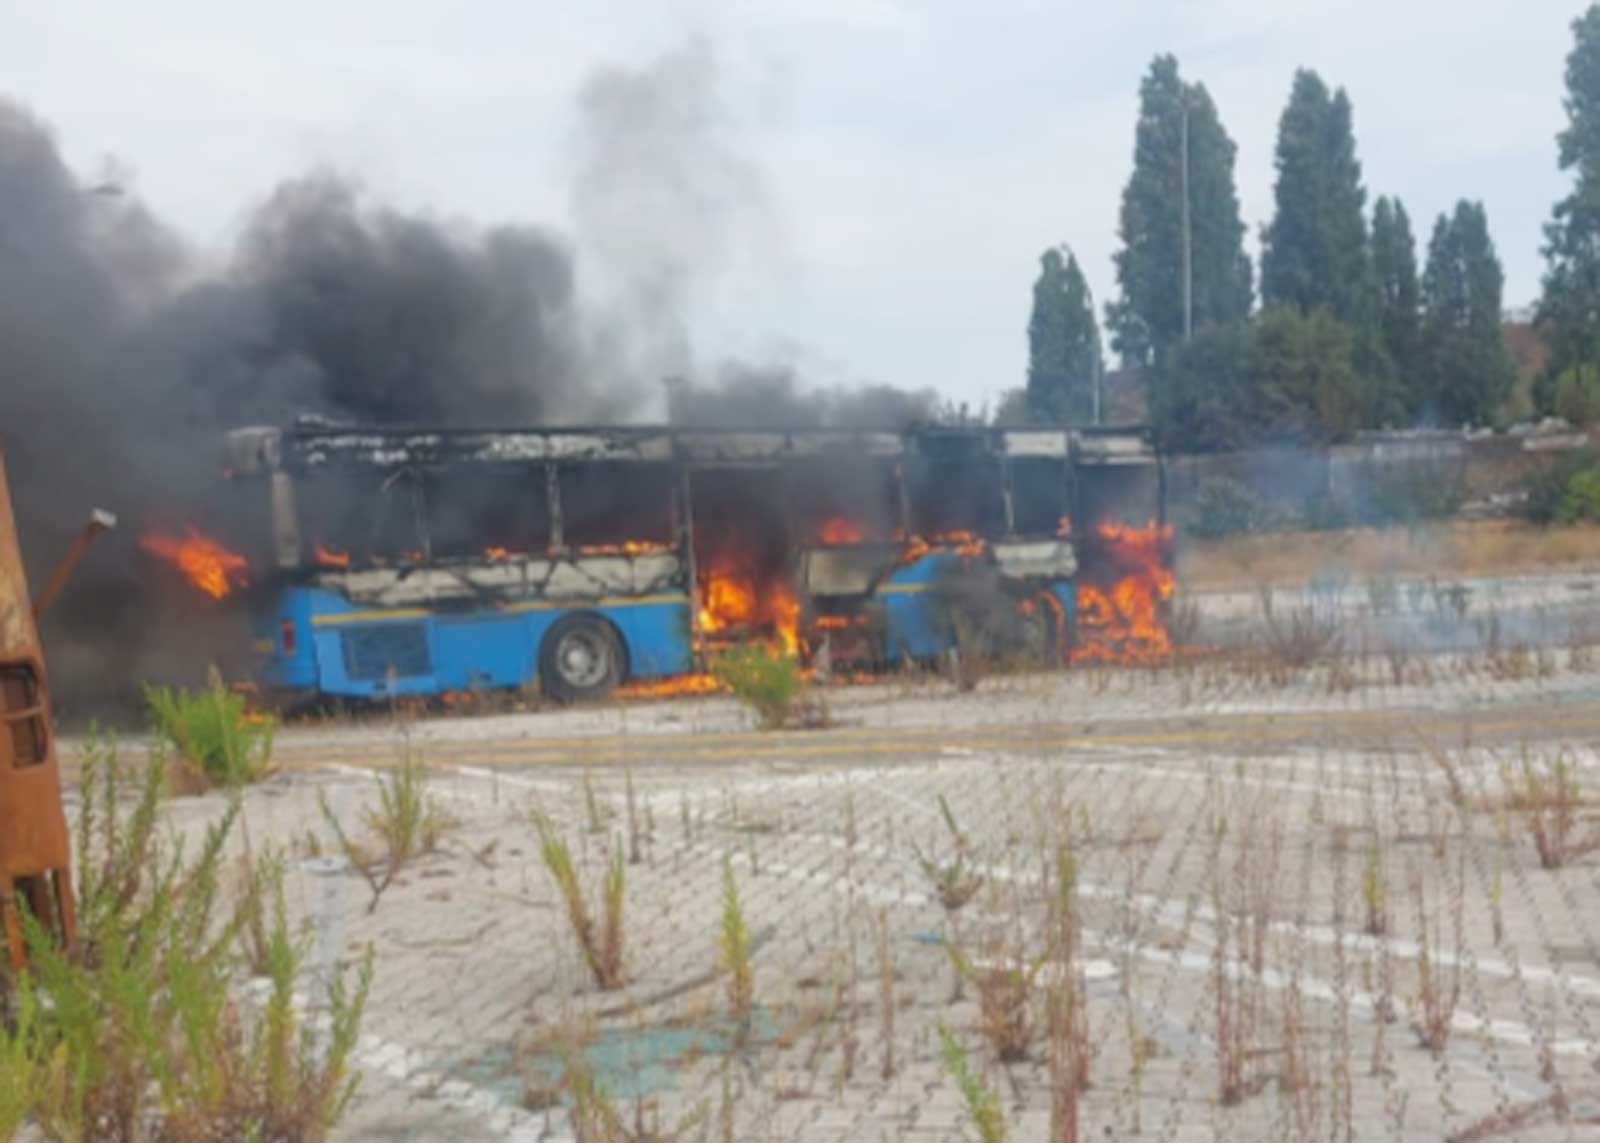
960	541
1122	621
697	684
625	548
733	601
330	557
202	561
839	530
496	553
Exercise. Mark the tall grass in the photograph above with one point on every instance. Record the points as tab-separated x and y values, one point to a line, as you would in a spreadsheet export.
144	1035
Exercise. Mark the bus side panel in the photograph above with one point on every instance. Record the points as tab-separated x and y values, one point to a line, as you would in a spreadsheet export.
333	653
283	640
341	650
482	649
655	636
911	629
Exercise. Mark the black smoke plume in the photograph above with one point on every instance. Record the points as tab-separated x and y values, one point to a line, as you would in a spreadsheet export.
124	357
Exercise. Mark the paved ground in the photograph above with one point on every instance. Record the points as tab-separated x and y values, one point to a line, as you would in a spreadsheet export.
1234	834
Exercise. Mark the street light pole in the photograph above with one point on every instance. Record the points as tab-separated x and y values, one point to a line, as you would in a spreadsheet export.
1188	265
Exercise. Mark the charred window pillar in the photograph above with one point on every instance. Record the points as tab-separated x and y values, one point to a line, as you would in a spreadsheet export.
1007	496
552	497
902	497
685	540
285	521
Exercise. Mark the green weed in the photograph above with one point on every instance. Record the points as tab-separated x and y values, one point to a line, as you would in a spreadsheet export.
601	946
983	1106
734	945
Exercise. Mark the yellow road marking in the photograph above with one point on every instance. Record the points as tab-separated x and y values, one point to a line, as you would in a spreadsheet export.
866	741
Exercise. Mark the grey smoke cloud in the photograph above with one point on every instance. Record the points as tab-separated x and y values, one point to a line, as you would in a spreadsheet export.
666	197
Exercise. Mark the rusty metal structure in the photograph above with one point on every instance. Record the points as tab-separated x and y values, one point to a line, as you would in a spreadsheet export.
35	851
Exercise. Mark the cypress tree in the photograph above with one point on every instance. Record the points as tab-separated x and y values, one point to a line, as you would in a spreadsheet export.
1147	320
1468	372
1063	343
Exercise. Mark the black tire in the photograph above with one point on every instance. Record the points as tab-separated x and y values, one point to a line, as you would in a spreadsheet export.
580	659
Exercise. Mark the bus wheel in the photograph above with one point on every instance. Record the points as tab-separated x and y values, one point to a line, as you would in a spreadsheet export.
580	659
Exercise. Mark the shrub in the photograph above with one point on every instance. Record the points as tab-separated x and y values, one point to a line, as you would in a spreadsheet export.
1545	490
213	733
763	678
1577	398
23	1062
1224	507
1580	500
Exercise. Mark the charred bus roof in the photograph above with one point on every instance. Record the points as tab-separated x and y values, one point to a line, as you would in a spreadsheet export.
306	446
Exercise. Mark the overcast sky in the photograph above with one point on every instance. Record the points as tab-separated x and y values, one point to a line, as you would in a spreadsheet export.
918	157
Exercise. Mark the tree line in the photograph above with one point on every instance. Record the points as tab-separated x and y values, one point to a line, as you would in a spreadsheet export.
1349	332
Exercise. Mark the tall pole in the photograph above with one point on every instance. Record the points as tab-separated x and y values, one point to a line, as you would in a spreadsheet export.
1094	366
1188	268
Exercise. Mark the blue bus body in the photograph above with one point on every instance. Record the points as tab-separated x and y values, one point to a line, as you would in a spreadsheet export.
315	641
458	608
913	629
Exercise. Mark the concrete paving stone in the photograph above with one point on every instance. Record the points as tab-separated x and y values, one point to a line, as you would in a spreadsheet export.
1225	834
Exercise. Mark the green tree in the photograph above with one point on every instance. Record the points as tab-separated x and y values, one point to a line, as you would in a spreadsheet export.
1201	395
1394	262
1569	309
1315	253
1307	386
1468	374
1063	343
1147	320
1287	377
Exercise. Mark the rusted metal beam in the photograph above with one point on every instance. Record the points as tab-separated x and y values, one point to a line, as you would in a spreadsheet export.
99	521
35	853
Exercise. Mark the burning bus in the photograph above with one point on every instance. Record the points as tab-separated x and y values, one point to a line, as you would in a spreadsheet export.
420	561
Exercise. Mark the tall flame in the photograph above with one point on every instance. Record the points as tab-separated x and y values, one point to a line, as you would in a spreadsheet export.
201	560
1120	620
